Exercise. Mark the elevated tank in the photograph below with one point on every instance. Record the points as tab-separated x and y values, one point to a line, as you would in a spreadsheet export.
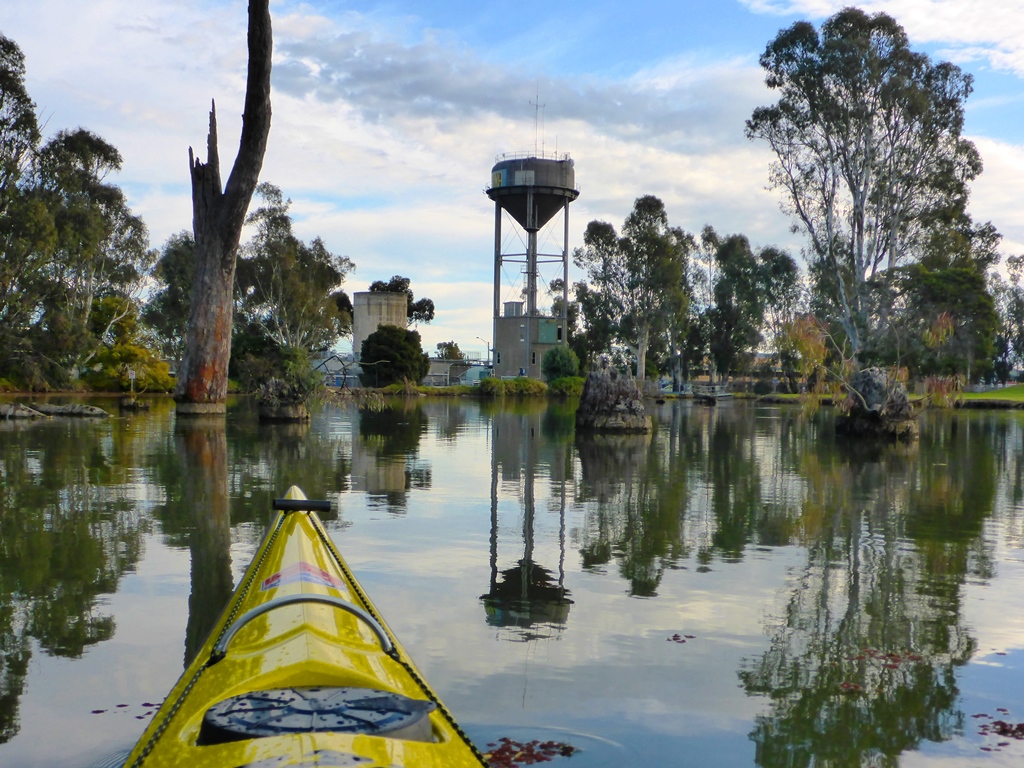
533	188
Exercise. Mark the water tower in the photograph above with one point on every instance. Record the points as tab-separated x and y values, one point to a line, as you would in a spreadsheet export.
532	189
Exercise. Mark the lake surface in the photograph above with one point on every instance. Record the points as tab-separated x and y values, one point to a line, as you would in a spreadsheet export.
736	589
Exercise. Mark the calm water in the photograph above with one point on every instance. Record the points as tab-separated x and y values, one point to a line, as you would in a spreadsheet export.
839	606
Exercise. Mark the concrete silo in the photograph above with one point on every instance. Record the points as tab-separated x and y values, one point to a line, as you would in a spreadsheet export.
532	189
371	310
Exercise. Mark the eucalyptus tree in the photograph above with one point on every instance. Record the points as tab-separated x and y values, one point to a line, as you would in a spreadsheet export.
1009	297
287	288
101	251
947	314
868	150
740	295
73	256
27	234
168	308
638	279
19	128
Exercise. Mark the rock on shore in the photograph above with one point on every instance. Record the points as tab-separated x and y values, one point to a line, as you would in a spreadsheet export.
878	407
41	410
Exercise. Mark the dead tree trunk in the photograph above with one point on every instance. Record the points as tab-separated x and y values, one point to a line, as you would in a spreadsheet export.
217	218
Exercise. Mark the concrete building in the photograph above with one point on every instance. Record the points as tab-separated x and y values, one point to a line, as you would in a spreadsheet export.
371	310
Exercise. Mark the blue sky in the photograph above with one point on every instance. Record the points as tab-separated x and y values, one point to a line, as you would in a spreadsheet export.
388	116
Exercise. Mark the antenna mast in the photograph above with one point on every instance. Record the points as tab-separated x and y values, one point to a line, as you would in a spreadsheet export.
537	107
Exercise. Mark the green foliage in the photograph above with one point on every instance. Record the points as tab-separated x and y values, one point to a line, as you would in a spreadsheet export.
392	354
945	319
421	311
521	386
869	152
289	290
637	282
68	241
567	386
525	387
559	362
449	350
111	367
492	387
169	305
124	348
289	368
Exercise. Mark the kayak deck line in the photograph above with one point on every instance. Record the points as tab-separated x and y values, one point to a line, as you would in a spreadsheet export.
220	650
324	680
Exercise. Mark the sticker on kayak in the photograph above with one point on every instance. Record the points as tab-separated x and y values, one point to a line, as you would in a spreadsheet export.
304	572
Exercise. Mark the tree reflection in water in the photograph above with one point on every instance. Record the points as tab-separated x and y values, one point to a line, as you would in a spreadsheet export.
69	530
201	446
864	650
384	458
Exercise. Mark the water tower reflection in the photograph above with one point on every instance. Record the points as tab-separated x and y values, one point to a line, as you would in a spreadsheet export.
526	598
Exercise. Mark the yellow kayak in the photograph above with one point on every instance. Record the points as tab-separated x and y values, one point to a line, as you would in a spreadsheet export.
301	670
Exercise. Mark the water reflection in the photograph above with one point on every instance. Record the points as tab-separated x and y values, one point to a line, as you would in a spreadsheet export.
527	598
864	651
201	446
266	459
829	580
70	528
385	461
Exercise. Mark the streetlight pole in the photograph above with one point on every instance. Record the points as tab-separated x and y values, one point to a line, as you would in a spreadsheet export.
485	341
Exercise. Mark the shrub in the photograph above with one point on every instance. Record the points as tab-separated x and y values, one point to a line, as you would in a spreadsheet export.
492	387
763	387
523	386
110	371
392	354
559	362
567	386
517	387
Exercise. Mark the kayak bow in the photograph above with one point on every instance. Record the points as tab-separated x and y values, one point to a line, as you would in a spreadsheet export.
301	670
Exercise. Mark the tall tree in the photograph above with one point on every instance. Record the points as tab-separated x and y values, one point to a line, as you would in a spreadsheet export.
868	149
288	288
949	285
421	311
217	217
1009	297
391	354
640	276
69	244
739	300
169	306
449	350
27	233
102	251
19	129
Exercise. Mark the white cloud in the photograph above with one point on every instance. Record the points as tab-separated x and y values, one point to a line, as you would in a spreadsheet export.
992	31
383	135
995	195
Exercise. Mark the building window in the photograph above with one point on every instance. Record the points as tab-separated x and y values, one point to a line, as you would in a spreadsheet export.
497	357
533	358
559	333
